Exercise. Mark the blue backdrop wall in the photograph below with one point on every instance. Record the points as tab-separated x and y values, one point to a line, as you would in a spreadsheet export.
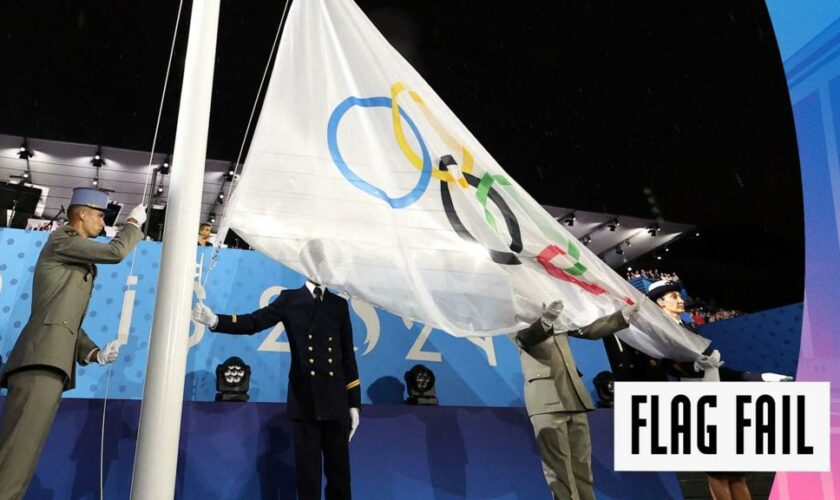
470	372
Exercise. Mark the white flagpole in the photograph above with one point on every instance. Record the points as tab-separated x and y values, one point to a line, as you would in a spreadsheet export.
156	458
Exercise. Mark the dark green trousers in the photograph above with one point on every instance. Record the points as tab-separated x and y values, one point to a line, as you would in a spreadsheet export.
28	414
566	453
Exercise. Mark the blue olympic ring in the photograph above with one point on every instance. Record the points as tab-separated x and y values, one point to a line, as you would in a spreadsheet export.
332	140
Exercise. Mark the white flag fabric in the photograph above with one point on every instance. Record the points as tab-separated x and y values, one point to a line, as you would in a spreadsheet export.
360	177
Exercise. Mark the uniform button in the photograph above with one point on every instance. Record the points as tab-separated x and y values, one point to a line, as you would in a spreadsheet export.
311	361
310	348
331	374
329	360
312	373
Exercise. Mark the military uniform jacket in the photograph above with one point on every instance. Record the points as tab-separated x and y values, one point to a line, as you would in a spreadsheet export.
552	380
53	336
323	377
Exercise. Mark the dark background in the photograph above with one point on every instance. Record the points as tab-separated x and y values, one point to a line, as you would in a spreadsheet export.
671	109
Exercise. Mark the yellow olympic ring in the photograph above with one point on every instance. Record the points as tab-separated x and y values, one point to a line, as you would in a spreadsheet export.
412	157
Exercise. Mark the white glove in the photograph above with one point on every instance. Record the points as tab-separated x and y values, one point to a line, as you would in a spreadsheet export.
204	315
138	213
708	362
109	354
628	311
775	377
551	312
354	422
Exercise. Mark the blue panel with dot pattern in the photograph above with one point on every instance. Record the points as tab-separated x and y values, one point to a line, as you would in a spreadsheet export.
767	341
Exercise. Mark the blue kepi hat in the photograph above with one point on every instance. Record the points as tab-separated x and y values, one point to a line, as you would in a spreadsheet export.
659	288
88	197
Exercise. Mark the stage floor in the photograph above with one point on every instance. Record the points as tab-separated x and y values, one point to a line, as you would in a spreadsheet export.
244	451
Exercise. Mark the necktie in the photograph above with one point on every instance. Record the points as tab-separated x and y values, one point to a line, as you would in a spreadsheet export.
317	293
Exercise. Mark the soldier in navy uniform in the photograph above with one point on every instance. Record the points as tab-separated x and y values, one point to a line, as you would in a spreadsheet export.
667	296
324	388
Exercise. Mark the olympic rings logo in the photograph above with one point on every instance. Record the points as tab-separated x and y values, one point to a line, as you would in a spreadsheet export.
486	192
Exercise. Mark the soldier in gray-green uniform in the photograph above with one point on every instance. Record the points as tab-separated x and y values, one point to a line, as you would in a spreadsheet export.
557	400
42	363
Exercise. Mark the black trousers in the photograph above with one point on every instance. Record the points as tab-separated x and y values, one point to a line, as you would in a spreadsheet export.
328	439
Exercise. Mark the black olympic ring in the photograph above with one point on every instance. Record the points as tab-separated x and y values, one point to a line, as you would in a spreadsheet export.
499	257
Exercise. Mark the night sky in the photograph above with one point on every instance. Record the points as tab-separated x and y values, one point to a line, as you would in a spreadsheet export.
671	109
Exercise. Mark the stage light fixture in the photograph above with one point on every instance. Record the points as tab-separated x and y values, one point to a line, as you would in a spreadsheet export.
212	217
24	153
628	243
586	240
667	249
570	219
604	384
420	384
165	166
619	250
653	229
231	173
160	190
221	198
613	224
233	379
97	160
95	181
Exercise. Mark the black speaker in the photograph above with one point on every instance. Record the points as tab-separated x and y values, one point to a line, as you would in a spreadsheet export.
19	198
112	212
155	223
233	240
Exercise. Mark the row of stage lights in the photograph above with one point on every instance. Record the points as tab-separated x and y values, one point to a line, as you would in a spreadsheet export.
98	161
652	229
612	225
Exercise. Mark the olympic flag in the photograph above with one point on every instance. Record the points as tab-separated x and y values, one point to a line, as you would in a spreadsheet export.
360	177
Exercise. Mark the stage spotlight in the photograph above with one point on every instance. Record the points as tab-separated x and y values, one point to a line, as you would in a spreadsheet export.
605	386
231	173
628	243
619	250
570	219
420	384
160	190
667	249
586	240
658	257
233	379
95	181
212	217
613	224
24	153
221	198
653	229
697	234
164	168
97	160
629	268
